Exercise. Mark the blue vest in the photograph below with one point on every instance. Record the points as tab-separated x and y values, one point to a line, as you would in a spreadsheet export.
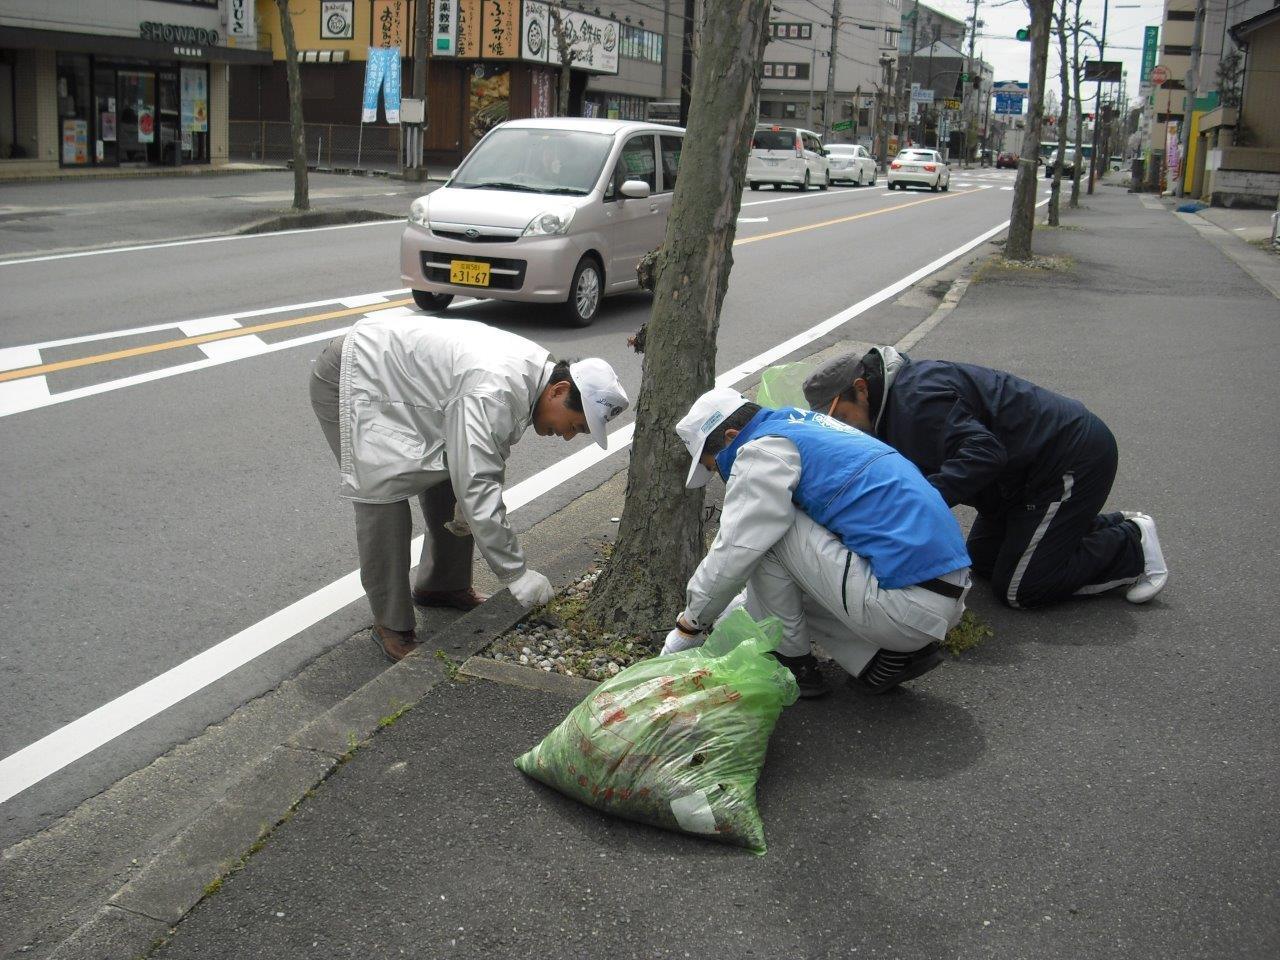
866	493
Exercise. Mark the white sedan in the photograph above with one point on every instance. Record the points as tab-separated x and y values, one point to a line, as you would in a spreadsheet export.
852	163
921	168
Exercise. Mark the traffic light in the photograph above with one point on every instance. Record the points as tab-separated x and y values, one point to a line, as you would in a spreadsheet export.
1024	34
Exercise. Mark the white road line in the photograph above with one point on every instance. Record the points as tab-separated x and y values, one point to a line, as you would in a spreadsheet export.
753	219
195	328
815	196
237	348
190	243
14	358
64	746
19	395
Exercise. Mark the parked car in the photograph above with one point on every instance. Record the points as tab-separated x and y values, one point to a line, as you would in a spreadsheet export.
1068	163
1115	164
852	163
919	167
554	210
1007	160
787	155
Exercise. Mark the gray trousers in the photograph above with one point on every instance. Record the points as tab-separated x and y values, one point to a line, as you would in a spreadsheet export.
384	531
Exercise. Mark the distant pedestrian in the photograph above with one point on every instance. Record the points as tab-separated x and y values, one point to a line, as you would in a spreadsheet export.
430	409
1037	466
830	531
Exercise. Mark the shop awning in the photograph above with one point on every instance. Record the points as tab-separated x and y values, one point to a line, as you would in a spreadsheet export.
23	39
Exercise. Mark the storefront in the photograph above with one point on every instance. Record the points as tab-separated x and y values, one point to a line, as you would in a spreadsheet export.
83	100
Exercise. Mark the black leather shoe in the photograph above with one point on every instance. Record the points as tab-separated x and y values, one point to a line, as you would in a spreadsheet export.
395	645
808	674
465	599
888	668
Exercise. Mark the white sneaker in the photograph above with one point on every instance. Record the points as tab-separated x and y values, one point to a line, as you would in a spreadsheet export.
1154	572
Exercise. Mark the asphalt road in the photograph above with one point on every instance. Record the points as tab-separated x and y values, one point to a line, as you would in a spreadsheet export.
151	516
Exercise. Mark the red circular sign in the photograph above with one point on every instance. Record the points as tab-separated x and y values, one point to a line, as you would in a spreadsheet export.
1159	75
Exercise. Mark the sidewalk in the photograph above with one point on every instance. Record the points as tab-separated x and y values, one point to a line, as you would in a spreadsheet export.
1095	780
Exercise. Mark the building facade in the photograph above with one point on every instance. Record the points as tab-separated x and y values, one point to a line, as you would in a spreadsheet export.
91	84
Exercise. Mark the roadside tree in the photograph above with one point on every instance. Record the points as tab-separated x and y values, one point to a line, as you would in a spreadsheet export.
1055	195
564	47
1023	215
660	538
301	196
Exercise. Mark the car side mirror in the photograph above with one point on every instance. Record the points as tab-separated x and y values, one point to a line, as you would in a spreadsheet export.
635	189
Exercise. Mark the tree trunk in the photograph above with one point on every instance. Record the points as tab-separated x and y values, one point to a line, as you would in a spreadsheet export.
301	199
660	538
1023	216
566	60
1055	196
1075	74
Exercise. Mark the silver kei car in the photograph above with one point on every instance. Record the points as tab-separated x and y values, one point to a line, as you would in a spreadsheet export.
557	210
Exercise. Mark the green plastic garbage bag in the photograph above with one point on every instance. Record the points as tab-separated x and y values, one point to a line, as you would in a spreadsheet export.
677	741
783	386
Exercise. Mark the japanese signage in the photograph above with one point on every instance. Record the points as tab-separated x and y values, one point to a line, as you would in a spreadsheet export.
542	93
195	100
444	33
337	20
535	33
499	40
468	28
240	23
1009	103
381	76
1150	46
389	24
75	141
592	42
175	33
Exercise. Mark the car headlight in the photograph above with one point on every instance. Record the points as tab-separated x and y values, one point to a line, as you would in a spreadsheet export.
418	212
550	224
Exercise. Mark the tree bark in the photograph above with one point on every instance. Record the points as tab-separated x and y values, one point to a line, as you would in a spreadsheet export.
1055	195
566	60
660	538
1075	74
1022	217
301	198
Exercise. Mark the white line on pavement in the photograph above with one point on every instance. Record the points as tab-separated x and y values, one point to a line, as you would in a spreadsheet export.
81	737
188	243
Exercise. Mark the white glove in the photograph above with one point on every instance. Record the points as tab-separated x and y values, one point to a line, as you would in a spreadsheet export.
531	589
678	640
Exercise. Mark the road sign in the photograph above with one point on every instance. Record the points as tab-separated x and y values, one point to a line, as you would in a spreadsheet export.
1160	75
1014	87
919	95
1150	44
1103	71
951	104
842	125
1009	103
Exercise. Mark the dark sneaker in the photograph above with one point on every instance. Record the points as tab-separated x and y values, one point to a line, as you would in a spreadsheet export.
808	674
888	668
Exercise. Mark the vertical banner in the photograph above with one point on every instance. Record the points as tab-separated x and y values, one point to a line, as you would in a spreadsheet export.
373	68
535	32
1150	46
540	103
391	84
389	23
241	27
195	100
444	28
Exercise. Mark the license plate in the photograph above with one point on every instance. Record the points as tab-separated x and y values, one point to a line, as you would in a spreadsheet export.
469	273
770	162
908	166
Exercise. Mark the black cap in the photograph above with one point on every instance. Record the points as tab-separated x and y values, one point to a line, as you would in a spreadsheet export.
830	380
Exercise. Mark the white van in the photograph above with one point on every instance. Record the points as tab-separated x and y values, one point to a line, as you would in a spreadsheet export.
556	210
787	155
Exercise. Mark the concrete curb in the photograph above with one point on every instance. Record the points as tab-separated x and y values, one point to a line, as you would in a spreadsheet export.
514	675
315	218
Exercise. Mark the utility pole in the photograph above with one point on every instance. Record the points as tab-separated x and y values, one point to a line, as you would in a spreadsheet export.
421	39
1192	84
1097	98
910	75
968	86
829	102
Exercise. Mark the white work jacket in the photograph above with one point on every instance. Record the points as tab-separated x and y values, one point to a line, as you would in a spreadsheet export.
758	511
431	400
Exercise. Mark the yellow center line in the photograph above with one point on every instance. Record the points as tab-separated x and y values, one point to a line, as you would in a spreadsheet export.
36	371
856	216
22	372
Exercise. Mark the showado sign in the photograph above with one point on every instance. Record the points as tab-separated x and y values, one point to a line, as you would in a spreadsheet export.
176	33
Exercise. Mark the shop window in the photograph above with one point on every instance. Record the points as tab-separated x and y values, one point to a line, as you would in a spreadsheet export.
74	114
8	105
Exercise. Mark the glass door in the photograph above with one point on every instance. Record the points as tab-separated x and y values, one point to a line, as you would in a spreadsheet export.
170	135
106	114
136	123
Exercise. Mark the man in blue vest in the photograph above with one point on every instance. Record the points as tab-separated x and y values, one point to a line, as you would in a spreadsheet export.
1037	466
832	532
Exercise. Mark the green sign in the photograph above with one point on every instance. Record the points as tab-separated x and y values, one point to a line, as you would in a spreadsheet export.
964	78
1024	33
1150	43
842	125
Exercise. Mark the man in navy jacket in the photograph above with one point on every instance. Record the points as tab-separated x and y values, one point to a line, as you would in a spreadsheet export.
1037	466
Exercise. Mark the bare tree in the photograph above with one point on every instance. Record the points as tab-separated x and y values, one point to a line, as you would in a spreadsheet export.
301	197
560	31
1055	195
660	538
1077	27
1023	215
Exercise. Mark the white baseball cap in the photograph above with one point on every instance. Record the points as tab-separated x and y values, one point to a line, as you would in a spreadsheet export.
707	413
602	395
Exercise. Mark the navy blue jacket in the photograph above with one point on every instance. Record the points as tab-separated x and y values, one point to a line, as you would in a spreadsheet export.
982	437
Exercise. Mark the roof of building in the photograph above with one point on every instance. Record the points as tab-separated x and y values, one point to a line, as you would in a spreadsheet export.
1245	27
